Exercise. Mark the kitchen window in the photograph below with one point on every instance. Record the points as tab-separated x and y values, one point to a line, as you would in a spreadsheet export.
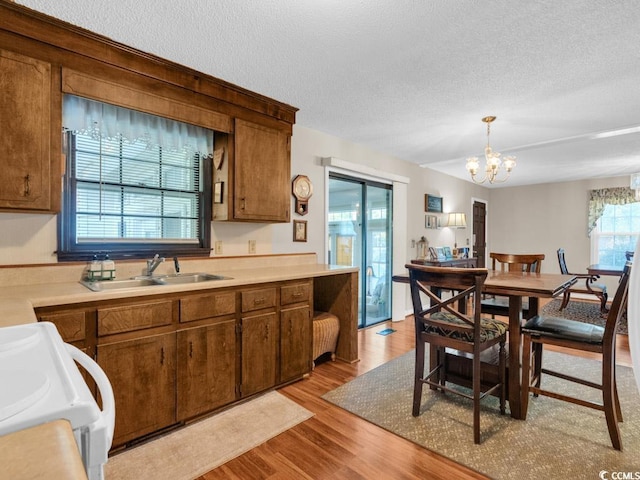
135	184
614	221
616	233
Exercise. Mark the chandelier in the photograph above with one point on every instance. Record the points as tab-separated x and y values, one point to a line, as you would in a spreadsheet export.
493	162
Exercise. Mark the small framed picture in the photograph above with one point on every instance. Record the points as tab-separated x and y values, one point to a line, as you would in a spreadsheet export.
447	252
431	221
299	230
432	203
433	254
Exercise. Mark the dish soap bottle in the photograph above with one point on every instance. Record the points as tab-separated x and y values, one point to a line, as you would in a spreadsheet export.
95	269
108	268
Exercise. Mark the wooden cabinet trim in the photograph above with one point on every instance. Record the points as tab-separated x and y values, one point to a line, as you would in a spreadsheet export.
30	24
116	92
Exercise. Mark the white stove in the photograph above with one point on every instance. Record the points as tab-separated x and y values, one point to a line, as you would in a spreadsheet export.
41	382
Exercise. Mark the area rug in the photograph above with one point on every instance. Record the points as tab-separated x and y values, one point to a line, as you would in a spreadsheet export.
558	440
202	446
588	312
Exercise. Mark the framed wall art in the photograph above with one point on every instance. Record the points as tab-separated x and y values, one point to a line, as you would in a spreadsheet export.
431	221
432	203
299	230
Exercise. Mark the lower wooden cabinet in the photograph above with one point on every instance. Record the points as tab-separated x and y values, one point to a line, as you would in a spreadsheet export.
259	341
142	373
206	368
173	358
295	342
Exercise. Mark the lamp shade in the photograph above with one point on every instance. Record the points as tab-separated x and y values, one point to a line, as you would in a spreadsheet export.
457	220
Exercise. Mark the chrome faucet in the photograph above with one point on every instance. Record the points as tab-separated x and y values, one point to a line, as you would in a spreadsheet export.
153	264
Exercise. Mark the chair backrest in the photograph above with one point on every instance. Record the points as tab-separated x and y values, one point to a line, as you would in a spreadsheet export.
618	307
527	262
464	282
562	262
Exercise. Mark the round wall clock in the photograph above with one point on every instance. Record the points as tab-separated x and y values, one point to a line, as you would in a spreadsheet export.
302	189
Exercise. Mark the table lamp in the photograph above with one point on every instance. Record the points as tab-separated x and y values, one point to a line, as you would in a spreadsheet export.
457	221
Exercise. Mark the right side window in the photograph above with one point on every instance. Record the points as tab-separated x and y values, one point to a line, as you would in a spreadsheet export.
616	233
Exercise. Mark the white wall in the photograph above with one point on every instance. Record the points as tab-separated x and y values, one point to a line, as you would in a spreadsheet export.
543	218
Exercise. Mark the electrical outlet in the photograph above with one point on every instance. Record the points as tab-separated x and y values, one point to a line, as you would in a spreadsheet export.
218	247
252	246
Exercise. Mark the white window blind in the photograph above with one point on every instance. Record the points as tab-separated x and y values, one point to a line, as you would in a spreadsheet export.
616	232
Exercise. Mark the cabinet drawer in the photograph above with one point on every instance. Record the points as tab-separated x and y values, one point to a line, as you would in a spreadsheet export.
257	299
70	325
206	306
295	293
134	317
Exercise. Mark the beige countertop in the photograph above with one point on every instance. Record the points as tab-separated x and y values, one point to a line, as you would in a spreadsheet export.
46	452
17	301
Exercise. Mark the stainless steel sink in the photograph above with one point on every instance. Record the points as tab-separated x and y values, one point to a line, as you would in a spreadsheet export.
145	281
180	278
101	285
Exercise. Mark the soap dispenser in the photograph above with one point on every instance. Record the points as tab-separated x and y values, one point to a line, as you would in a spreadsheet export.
108	268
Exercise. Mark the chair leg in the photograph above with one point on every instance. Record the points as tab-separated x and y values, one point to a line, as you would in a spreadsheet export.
476	399
603	302
526	375
616	400
565	299
419	375
537	364
609	399
502	365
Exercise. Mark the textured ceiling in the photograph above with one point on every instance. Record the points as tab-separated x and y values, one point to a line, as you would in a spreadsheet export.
413	78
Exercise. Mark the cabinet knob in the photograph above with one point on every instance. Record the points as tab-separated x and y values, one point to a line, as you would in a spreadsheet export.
162	356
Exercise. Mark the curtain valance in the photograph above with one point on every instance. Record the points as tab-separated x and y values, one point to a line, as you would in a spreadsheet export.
602	197
104	120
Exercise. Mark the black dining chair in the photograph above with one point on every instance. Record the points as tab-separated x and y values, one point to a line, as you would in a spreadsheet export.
589	286
577	337
442	326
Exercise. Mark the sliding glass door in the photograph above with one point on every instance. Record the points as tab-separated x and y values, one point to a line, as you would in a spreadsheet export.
359	226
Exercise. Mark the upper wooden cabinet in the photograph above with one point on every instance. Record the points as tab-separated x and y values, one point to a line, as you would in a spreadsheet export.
262	170
42	57
29	116
253	181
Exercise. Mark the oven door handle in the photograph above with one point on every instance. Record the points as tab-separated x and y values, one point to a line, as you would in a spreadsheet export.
104	386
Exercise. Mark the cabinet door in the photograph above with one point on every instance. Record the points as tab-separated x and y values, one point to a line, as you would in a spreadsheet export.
295	343
26	124
259	352
262	167
206	368
143	375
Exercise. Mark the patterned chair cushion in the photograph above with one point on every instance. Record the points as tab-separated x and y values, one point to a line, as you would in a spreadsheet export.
490	328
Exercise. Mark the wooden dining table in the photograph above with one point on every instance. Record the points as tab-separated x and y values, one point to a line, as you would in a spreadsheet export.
515	286
602	269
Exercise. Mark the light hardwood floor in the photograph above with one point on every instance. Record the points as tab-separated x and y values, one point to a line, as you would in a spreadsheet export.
335	444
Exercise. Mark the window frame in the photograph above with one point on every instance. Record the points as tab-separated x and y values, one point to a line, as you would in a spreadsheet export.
597	234
71	250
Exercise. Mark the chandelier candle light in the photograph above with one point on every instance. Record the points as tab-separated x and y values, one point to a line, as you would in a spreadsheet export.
493	161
